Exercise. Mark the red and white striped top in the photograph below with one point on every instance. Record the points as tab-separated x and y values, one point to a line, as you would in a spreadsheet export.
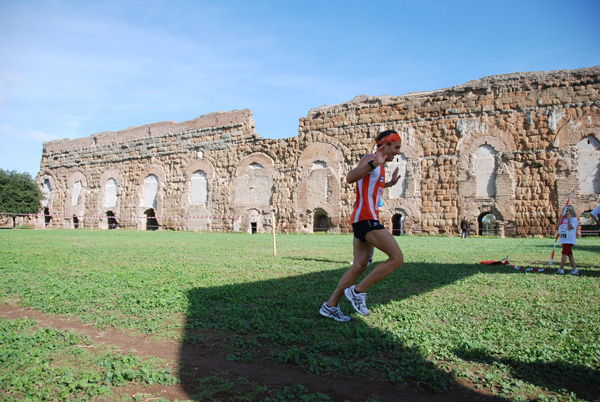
369	190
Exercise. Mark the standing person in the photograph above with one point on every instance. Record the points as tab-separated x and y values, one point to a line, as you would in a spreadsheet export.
369	177
464	227
595	213
568	236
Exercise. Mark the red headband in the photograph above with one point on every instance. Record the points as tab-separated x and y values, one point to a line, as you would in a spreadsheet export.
388	139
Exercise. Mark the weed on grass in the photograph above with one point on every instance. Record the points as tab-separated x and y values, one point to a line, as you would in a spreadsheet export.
441	318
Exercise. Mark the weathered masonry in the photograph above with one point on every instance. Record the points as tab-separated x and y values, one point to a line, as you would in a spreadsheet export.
512	145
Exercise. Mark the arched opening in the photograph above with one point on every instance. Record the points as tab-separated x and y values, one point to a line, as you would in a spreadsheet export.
47	217
151	222
588	225
589	152
75	222
112	221
485	168
321	222
487	224
397	225
110	193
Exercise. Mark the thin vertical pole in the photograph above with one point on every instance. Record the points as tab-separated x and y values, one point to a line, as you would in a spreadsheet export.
274	226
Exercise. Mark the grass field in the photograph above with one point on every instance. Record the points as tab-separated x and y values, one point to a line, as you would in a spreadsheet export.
440	319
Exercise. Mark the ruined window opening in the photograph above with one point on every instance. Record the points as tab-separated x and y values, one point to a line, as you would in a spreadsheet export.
150	191
485	170
254	227
75	222
76	193
487	224
199	188
589	174
397	225
398	190
151	222
112	221
321	222
110	193
46	192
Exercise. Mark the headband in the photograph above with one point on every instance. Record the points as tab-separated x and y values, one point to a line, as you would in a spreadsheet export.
388	139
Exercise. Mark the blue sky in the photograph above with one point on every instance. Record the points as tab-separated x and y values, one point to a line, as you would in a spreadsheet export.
70	69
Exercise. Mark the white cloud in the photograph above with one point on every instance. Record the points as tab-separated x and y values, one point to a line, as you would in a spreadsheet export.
7	132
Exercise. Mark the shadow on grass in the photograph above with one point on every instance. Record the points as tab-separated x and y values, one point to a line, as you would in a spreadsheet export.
270	332
555	376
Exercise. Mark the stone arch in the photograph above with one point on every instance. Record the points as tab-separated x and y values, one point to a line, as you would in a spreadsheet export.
158	172
474	135
410	204
47	183
198	215
107	195
318	186
75	198
252	186
568	173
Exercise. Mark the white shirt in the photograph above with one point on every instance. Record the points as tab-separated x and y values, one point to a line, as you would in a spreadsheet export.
566	235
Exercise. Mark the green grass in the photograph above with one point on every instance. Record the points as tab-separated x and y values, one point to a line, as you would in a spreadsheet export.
441	318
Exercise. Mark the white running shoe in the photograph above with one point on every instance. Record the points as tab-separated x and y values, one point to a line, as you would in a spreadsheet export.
358	300
333	312
560	271
574	271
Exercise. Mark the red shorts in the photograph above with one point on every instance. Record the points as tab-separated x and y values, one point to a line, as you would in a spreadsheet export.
567	249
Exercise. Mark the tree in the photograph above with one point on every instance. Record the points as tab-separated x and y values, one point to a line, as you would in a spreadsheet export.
19	194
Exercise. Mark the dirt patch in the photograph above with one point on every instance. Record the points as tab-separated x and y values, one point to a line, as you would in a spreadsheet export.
202	360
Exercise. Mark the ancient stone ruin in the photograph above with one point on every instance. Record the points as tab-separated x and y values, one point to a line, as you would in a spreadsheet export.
513	146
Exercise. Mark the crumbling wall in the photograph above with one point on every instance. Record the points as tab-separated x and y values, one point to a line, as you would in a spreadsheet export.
534	129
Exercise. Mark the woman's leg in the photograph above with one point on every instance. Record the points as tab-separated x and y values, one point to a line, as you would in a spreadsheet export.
384	241
362	252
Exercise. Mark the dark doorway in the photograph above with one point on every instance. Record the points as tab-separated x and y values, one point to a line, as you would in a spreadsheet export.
47	217
112	222
151	222
75	222
254	227
487	224
321	223
397	225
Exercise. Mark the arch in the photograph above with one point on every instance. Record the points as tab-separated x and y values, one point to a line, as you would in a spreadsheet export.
321	221
574	130
318	186
486	222
112	220
499	194
75	197
158	181
399	189
151	221
485	171
588	163
252	186
405	197
397	224
570	141
109	198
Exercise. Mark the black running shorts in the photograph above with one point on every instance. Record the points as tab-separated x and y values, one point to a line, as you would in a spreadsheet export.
363	227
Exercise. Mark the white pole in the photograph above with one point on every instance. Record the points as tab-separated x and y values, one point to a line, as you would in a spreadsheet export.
274	226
